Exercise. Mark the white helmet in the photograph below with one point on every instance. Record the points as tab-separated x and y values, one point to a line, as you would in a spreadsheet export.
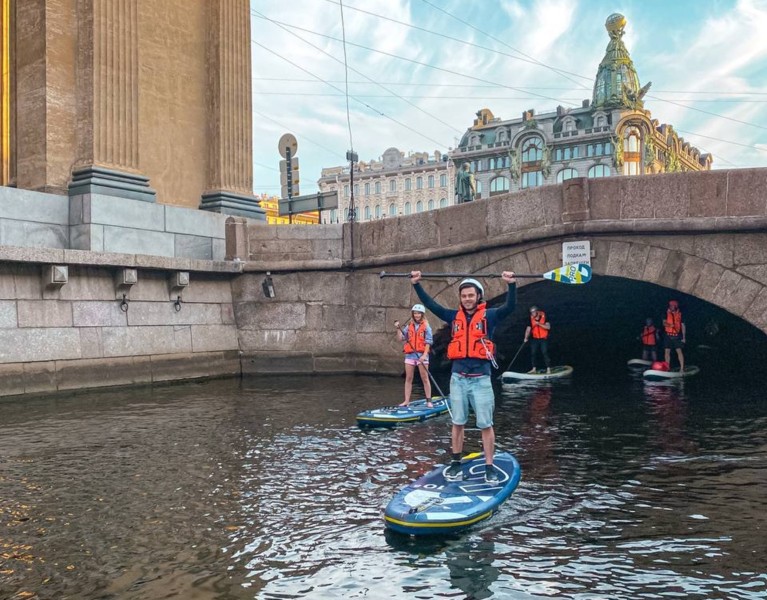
475	283
418	308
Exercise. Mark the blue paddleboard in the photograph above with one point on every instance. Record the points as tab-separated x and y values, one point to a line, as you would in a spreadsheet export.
389	416
433	505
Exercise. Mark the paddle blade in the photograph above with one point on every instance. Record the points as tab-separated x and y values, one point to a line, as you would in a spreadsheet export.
573	274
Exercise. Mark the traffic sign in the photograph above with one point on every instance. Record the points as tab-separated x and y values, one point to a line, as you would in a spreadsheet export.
287	141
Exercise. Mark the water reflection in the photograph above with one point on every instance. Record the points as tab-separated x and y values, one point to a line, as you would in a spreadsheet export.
270	490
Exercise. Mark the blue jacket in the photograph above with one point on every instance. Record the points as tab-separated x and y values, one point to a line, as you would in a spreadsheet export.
471	366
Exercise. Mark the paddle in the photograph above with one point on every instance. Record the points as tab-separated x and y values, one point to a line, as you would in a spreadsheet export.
571	274
517	354
441	393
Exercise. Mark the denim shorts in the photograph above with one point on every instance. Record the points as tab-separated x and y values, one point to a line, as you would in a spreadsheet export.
477	391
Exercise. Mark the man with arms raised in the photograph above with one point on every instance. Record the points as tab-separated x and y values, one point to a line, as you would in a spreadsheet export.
473	354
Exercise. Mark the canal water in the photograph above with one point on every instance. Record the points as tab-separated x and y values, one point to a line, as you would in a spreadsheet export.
266	488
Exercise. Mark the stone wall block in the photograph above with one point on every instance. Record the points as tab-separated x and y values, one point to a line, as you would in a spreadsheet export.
247	287
747	192
270	315
736	293
7	282
605	198
672	269
191	366
619	254
715	248
107	210
328	288
165	313
138	341
91	342
756	313
151	287
217	291
209	338
95	373
314	320
227	314
269	363
636	261
39	344
41	235
756	272
656	260
99	314
12	379
267	340
138	241
370	319
708	193
473	224
340	319
690	273
8	316
193	246
708	280
44	313
748	249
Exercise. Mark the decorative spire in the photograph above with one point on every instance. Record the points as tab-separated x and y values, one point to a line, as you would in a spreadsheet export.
617	83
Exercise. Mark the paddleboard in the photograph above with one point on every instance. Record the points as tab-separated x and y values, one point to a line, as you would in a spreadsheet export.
653	375
638	363
433	505
416	411
556	373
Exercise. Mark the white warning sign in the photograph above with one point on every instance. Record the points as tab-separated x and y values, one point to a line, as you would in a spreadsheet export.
576	252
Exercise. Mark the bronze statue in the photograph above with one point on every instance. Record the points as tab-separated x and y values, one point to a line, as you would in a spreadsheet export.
465	186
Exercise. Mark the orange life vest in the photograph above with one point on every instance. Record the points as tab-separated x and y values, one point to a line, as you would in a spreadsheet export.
415	341
648	335
538	332
470	338
673	323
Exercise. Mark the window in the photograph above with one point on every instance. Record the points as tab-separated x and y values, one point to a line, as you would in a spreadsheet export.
532	150
501	137
356	189
419	206
378	211
367	213
407	208
532	179
378	187
499	185
333	215
443	181
431	204
566	174
408	184
346	191
491	164
632	144
419	183
367	189
392	210
431	181
599	171
569	125
442	202
392	185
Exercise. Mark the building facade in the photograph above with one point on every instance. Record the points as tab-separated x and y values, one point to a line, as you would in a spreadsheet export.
392	186
610	134
271	206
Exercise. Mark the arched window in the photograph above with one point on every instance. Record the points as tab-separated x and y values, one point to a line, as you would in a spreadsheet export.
378	211
431	181
407	208
532	150
419	206
367	213
392	210
419	183
532	158
570	125
408	184
392	185
499	185
599	171
431	204
378	187
367	189
443	181
442	202
566	174
632	151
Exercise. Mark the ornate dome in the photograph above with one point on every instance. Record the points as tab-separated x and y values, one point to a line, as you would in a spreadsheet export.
617	82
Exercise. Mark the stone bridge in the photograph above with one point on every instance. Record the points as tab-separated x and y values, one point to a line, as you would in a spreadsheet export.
700	236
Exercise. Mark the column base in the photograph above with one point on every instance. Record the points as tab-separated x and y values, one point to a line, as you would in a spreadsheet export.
230	203
109	182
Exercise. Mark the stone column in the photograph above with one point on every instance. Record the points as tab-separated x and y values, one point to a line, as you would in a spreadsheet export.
229	108
108	102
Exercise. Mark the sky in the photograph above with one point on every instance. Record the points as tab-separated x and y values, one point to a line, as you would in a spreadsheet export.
419	70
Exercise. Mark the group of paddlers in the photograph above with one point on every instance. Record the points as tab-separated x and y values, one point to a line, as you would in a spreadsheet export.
674	338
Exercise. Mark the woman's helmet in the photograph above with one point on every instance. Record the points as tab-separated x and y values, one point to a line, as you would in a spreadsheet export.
475	283
418	308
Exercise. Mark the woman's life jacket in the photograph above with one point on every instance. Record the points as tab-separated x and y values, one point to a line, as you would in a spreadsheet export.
673	323
470	338
538	332
649	337
415	341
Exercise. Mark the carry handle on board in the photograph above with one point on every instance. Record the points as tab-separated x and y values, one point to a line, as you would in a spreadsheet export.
571	274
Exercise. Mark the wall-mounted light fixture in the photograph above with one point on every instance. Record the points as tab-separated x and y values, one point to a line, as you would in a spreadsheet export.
268	286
